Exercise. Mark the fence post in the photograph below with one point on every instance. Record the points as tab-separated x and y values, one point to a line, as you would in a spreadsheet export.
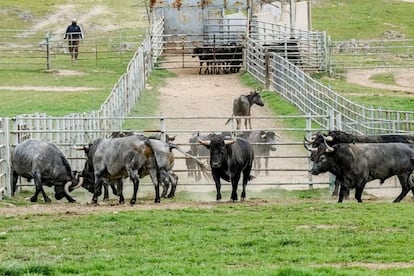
162	127
47	52
308	131
267	81
6	126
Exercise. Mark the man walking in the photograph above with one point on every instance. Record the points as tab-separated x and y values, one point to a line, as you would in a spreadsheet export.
74	35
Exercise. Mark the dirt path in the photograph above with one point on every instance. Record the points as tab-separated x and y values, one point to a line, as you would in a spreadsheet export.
404	78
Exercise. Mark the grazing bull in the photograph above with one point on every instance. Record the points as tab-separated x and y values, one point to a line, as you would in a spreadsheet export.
262	142
46	164
356	164
228	160
242	106
336	137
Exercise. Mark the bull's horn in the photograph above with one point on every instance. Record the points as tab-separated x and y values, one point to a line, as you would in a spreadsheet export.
309	141
308	148
328	148
263	136
229	142
66	187
80	182
328	138
205	143
84	148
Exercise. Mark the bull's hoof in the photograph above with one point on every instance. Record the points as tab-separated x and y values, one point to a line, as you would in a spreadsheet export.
33	199
47	200
157	200
132	202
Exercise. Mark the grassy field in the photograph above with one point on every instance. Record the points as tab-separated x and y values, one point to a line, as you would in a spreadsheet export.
95	73
282	233
368	19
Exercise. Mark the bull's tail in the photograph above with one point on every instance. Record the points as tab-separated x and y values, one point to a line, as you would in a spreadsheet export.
228	121
202	165
250	178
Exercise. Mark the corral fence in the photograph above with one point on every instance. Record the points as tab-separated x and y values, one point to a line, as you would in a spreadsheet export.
390	52
49	50
312	97
288	166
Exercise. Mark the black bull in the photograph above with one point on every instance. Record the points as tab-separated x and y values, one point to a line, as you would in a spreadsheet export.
356	164
228	160
336	137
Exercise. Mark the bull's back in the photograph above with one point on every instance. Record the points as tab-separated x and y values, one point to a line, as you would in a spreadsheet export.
241	106
242	152
114	153
384	159
38	155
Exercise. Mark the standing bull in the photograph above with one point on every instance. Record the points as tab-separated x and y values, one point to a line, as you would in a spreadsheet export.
262	142
228	160
336	137
46	164
132	156
356	164
242	106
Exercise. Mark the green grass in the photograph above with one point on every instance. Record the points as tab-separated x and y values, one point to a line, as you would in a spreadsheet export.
300	234
99	67
384	78
100	79
370	97
344	20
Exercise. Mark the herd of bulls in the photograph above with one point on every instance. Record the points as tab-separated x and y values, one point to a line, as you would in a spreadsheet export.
353	159
226	58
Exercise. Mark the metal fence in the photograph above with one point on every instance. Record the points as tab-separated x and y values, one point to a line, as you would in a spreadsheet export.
288	166
312	97
367	54
49	50
312	46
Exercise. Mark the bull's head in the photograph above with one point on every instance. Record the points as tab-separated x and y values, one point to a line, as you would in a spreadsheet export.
218	150
257	99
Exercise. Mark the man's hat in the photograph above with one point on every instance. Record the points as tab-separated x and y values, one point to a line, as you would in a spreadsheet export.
74	19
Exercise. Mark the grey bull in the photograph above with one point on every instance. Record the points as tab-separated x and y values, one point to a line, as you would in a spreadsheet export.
46	164
242	107
135	157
